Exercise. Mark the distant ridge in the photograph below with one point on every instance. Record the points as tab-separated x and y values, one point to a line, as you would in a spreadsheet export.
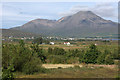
17	33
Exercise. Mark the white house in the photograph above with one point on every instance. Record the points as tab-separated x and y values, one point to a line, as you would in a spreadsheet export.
52	43
67	43
96	44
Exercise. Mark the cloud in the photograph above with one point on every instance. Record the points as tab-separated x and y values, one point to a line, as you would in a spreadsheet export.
106	10
74	10
14	14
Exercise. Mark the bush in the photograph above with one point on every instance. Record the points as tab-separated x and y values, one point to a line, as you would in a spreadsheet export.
56	59
59	67
91	55
39	52
59	51
50	50
31	67
109	59
20	57
72	60
8	73
38	40
101	58
77	66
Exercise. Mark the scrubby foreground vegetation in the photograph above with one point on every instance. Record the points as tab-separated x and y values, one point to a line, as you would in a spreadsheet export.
28	59
75	72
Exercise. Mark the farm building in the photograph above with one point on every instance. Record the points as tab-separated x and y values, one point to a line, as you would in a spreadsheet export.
52	43
96	44
67	43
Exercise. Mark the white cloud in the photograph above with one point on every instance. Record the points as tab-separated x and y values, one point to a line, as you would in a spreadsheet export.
105	10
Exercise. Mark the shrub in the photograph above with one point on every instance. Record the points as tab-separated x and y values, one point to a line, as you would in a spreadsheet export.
109	59
76	66
21	58
50	50
59	67
72	60
56	59
8	73
91	55
59	51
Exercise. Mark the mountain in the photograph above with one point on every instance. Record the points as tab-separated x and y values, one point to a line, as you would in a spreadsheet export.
17	33
38	26
81	24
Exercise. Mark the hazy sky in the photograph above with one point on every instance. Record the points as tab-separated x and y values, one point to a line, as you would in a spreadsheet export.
18	13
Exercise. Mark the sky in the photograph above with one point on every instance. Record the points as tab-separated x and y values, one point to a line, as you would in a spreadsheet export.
18	13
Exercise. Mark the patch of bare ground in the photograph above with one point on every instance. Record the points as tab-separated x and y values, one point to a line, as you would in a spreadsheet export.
49	66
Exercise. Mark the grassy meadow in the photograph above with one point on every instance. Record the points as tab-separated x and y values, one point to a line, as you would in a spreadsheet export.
75	72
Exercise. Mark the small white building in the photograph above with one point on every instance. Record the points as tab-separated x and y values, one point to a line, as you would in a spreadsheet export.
67	43
96	44
52	43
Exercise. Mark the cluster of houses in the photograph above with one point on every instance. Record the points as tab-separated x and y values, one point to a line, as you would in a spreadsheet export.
10	38
65	43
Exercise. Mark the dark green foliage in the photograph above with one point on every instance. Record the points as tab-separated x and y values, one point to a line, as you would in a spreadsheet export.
115	54
57	59
39	52
21	58
59	51
73	53
91	55
81	54
59	67
101	58
45	41
31	67
50	50
38	40
109	59
8	73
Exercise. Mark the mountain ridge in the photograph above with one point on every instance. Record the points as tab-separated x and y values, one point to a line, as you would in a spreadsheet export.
81	24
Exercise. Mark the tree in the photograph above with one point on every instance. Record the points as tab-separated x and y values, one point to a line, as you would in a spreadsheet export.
91	55
8	73
109	59
81	54
38	40
50	50
115	54
101	58
20	57
39	52
59	51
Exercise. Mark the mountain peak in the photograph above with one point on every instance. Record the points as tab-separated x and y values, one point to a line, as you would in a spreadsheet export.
85	12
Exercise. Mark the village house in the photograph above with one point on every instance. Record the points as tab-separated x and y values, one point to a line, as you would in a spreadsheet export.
52	43
96	44
67	43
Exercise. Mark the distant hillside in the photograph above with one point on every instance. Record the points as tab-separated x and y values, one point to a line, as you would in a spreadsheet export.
81	24
17	33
